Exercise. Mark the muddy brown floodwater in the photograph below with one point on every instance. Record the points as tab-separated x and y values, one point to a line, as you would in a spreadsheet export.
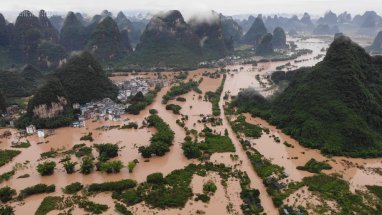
359	172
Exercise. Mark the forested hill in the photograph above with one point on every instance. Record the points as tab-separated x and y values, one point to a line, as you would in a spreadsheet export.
335	106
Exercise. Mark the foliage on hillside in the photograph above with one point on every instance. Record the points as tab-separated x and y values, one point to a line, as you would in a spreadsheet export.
334	106
105	41
256	32
72	35
167	41
84	80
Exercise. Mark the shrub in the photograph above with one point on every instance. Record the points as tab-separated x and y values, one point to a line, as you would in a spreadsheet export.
49	154
46	168
191	150
107	151
132	165
111	166
153	111
6	210
87	137
112	186
120	208
174	108
73	188
181	99
92	207
86	165
6	176
209	187
69	166
314	166
36	189
83	151
6	194
129	197
130	125
202	197
155	178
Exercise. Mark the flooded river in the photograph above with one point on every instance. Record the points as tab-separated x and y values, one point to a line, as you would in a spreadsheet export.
359	172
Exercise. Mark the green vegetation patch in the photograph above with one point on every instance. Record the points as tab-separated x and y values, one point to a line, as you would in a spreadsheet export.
180	99
107	151
73	188
92	207
217	144
140	101
36	189
112	186
6	210
180	89
214	97
174	108
7	155
130	125
6	194
377	190
46	168
249	130
48	204
334	188
314	166
161	141
87	137
6	176
120	208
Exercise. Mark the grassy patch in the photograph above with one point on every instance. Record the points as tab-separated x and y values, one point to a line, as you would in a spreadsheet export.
73	188
7	155
217	144
243	127
49	204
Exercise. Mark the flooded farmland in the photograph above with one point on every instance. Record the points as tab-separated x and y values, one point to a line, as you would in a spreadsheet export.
354	170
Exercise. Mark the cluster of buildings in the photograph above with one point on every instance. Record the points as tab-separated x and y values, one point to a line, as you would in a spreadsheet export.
131	87
31	129
105	109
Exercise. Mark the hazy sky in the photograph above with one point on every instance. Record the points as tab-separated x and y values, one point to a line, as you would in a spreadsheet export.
228	7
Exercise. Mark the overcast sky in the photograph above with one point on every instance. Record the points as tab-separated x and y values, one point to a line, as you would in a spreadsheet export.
228	7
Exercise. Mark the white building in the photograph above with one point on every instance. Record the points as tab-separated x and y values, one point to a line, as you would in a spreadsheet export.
41	133
31	129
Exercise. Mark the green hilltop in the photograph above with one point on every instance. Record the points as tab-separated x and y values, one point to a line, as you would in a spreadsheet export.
335	106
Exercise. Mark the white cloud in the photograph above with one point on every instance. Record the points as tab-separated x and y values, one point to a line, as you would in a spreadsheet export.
229	7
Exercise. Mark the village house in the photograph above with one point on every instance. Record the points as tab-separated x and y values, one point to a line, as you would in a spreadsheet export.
41	133
31	129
